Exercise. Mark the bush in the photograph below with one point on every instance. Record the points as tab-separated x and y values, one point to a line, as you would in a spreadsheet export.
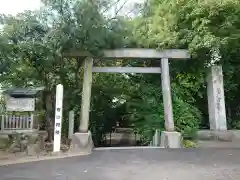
186	118
146	112
189	144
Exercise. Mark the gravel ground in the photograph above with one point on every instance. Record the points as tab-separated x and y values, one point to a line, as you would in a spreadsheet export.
134	164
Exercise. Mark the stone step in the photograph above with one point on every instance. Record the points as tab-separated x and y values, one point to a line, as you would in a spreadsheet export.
227	136
218	144
124	130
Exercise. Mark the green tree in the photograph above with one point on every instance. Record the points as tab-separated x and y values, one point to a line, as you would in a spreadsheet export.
201	27
32	46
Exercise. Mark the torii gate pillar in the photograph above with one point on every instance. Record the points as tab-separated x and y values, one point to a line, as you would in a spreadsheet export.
82	140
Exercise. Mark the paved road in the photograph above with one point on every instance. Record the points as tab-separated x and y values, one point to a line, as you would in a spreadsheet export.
135	164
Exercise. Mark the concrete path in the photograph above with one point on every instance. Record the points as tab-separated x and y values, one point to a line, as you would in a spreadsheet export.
134	164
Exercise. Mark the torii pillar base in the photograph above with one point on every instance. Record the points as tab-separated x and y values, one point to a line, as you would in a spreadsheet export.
171	139
82	143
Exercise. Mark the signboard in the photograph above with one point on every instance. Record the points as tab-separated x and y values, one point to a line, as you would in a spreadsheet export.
20	104
58	118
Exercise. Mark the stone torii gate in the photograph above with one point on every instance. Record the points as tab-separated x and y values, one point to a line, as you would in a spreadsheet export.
82	140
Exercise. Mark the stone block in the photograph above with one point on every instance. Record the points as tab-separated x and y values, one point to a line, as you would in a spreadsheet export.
81	143
32	138
223	135
4	142
171	139
205	135
32	150
236	134
216	135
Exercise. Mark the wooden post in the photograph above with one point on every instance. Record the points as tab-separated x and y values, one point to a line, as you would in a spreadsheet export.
166	91
71	124
86	95
58	118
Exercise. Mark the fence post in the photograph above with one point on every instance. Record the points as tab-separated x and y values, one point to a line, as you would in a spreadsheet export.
2	123
32	121
70	124
156	138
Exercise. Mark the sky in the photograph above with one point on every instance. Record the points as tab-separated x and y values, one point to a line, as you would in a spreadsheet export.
16	6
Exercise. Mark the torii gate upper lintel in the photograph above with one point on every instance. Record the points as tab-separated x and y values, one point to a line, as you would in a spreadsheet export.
136	53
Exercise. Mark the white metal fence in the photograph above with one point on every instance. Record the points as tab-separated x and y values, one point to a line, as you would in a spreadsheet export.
14	122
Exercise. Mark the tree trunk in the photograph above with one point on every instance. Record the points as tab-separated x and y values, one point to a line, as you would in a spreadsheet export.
49	114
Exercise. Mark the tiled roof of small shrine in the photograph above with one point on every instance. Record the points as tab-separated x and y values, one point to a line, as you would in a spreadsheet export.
24	92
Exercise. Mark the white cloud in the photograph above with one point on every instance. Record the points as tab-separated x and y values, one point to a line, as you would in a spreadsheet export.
16	6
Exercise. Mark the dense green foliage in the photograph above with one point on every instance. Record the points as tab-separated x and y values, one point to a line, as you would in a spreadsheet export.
32	46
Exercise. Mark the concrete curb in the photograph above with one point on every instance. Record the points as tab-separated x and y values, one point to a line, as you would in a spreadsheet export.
12	161
127	148
36	159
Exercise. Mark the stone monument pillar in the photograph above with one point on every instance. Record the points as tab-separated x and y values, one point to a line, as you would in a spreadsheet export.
216	101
